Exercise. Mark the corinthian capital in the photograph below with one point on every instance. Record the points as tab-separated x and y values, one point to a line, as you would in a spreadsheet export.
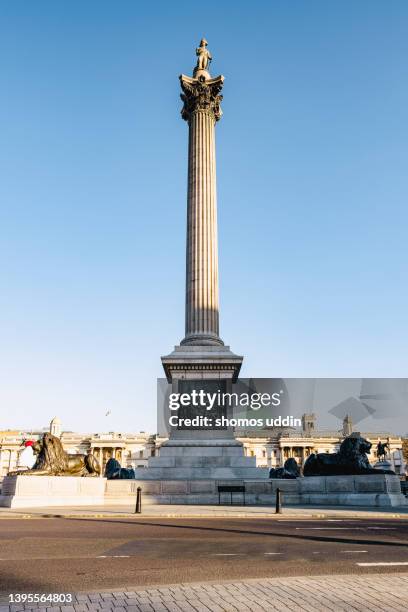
201	94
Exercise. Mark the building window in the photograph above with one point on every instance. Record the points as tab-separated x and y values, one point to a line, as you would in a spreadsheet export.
263	453
141	454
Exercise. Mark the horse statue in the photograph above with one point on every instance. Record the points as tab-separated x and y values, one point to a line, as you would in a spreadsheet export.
381	450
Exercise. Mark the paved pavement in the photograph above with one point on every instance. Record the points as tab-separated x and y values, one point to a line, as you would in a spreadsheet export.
310	594
175	511
72	555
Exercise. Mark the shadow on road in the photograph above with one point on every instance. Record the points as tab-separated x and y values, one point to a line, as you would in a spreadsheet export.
304	537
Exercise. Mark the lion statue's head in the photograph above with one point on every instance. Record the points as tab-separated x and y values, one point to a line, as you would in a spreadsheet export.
50	455
353	452
354	446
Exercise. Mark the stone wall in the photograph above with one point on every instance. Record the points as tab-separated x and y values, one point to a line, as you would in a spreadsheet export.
58	491
371	490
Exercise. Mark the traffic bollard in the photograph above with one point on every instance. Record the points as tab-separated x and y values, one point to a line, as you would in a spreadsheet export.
278	501
138	509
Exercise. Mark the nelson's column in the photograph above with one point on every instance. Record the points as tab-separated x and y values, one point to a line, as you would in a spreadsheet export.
201	360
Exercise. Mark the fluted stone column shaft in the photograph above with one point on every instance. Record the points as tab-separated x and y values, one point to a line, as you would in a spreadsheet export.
202	318
201	97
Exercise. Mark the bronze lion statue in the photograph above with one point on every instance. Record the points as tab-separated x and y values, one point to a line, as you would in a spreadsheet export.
289	471
350	460
52	460
114	471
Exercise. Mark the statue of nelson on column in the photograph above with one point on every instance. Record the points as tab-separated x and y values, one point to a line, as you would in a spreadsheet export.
203	55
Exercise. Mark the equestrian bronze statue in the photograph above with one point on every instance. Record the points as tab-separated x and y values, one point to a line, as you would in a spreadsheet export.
382	450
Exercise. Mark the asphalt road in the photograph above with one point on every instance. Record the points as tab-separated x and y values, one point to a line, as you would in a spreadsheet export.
70	555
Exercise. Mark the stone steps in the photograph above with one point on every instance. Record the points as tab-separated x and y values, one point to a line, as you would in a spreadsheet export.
201	473
201	462
201	450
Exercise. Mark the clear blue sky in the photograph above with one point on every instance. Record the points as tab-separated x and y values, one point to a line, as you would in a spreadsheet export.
312	194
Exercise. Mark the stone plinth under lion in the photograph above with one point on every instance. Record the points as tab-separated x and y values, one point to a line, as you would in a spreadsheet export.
51	491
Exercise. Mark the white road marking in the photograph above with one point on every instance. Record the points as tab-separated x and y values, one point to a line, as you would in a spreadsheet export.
273	553
354	551
311	521
228	554
331	528
383	528
382	563
347	528
113	557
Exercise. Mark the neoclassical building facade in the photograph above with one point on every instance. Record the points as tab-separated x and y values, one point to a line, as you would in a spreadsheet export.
271	448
